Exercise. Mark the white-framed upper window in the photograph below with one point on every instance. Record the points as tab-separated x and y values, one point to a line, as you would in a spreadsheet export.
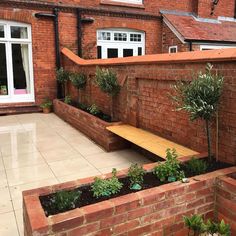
129	1
212	47
173	49
16	63
112	43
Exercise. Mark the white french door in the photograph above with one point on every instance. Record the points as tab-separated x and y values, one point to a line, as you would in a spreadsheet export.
16	63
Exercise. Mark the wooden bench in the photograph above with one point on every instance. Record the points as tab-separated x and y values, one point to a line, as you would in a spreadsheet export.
148	141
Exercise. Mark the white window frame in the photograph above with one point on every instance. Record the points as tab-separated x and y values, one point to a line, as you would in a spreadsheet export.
212	47
129	1
173	47
8	41
120	45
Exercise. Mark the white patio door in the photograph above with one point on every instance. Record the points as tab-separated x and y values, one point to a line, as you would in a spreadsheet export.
16	66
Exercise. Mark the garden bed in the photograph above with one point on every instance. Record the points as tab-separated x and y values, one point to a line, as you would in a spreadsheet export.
90	125
155	210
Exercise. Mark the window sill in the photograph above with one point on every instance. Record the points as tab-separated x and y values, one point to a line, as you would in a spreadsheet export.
121	4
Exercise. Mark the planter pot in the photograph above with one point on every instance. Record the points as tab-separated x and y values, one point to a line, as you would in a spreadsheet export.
90	125
47	110
157	210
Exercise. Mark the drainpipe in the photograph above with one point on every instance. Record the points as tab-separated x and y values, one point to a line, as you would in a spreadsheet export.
235	9
79	32
54	16
190	46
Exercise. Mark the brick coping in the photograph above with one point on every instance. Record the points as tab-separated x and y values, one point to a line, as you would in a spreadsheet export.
41	224
186	57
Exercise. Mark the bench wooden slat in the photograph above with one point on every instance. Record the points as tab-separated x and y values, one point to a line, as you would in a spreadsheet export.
148	141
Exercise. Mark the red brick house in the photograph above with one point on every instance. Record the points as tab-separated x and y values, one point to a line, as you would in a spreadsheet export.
32	32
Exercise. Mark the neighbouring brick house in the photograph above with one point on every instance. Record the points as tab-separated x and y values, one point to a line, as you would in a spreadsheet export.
30	50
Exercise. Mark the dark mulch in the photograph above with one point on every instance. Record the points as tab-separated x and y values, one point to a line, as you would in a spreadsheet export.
150	181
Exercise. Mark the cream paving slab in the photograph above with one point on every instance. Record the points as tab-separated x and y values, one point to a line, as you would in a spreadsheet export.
3	179
19	221
2	168
88	149
28	174
5	200
71	166
122	166
8	226
16	149
22	160
60	154
79	175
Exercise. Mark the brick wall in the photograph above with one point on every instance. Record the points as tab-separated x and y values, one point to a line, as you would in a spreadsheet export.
226	200
157	211
144	101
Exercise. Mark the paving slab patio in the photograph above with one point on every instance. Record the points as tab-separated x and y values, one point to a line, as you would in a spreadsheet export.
41	149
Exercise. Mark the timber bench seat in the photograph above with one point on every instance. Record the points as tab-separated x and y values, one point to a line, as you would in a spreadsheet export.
148	141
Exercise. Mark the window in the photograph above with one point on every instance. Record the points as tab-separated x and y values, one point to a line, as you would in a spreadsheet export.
173	49
112	43
130	1
16	67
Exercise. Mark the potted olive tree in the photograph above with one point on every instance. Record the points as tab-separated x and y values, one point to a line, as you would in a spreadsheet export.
106	80
62	78
200	98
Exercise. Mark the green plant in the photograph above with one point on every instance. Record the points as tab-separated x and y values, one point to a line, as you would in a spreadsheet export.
135	175
82	106
194	223
47	103
67	99
62	77
169	170
223	229
106	80
93	109
65	200
106	187
78	80
200	98
196	166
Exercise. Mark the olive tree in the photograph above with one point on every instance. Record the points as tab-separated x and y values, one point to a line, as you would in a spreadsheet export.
200	98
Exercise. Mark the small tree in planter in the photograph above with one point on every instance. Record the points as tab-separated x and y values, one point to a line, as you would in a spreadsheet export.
106	80
201	98
78	80
62	77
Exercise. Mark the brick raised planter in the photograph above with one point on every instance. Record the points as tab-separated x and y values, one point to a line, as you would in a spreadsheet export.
90	125
155	211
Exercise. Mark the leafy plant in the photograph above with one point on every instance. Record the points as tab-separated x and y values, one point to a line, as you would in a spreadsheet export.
135	175
200	98
65	200
106	187
78	80
223	229
62	77
106	80
196	166
82	106
194	223
93	109
47	103
67	99
169	170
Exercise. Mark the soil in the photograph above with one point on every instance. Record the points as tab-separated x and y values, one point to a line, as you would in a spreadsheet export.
87	198
100	114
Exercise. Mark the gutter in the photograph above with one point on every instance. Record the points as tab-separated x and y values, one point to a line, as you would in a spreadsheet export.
209	41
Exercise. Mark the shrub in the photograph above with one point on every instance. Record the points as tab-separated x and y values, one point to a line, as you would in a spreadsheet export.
65	200
106	80
67	99
62	75
47	103
196	166
106	187
82	106
195	223
223	229
78	80
200	98
94	110
170	169
135	175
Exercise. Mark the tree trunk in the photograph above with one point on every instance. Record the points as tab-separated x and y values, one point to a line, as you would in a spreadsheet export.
208	139
111	108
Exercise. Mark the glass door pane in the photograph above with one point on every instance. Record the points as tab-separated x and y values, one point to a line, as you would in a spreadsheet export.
3	70
21	73
128	52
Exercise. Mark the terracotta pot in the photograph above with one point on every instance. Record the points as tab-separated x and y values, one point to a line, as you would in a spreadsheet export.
47	110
